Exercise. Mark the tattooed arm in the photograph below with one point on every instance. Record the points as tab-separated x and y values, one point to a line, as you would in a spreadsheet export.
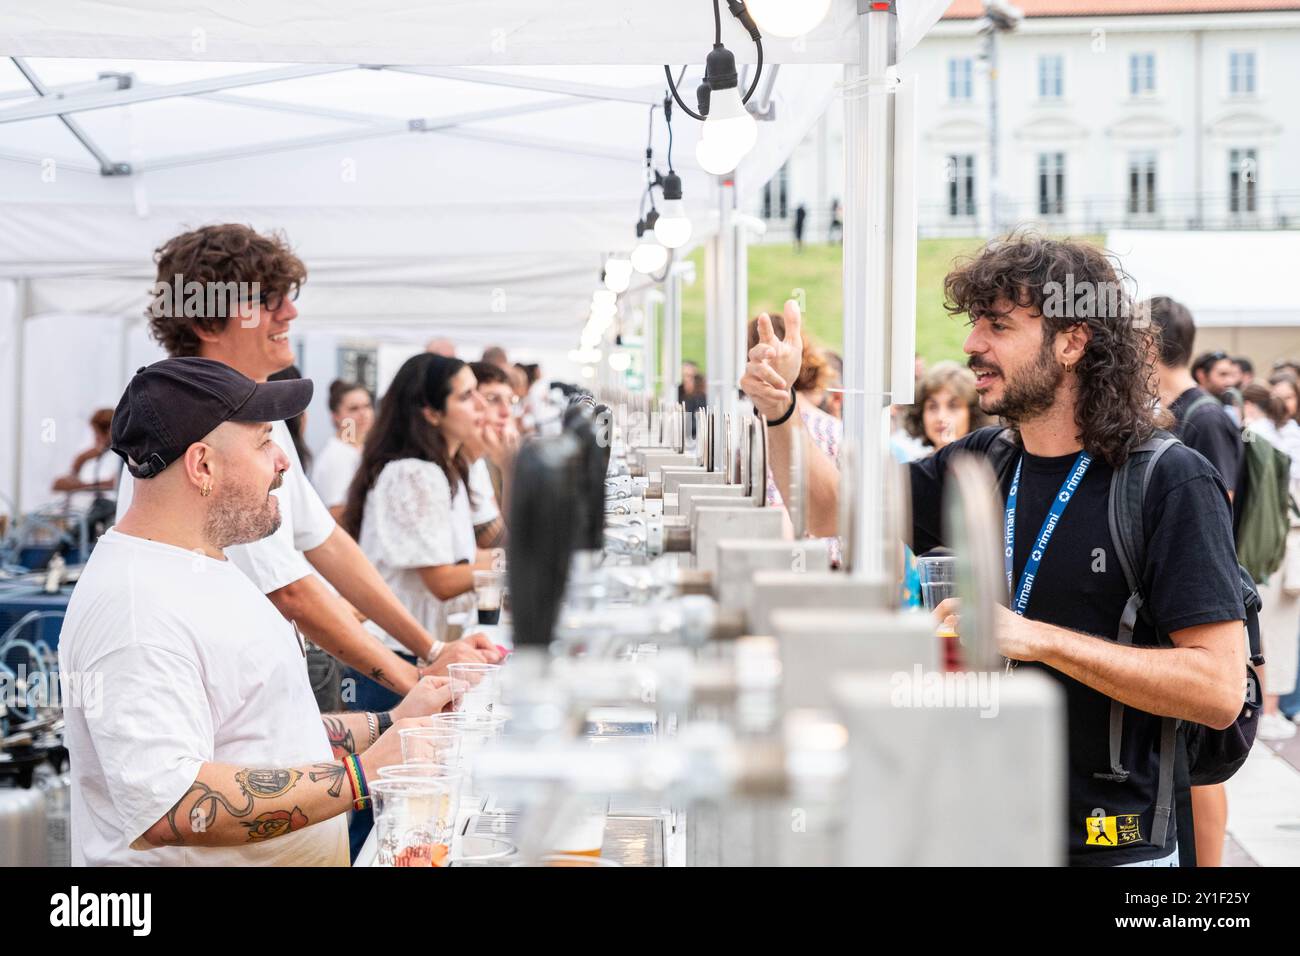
333	626
234	806
348	733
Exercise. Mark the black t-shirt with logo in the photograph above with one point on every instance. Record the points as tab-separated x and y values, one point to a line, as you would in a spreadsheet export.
1190	578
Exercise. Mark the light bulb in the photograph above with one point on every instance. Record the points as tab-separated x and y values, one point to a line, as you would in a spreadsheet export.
787	18
617	281
620	361
618	265
673	229
649	257
729	124
715	158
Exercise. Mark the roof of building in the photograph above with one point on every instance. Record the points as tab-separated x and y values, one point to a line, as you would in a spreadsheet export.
971	9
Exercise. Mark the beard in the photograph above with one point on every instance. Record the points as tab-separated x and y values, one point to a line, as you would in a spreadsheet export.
1031	393
243	515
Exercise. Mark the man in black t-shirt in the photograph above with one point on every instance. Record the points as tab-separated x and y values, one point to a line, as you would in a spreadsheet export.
1201	420
1074	380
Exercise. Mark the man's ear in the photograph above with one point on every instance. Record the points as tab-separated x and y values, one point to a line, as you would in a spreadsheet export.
199	465
1071	343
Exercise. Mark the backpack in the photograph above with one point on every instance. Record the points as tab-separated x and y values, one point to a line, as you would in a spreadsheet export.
1212	755
1261	504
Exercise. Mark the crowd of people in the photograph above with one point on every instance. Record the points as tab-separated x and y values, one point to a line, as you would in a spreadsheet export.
236	545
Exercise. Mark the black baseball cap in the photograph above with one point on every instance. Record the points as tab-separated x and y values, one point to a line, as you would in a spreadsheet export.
171	404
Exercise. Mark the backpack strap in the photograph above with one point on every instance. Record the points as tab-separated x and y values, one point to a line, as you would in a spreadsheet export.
1128	532
1200	403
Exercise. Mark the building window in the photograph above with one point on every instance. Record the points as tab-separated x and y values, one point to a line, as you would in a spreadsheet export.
1142	184
776	202
961	185
1141	74
1241	73
960	75
1243	181
1051	184
1051	77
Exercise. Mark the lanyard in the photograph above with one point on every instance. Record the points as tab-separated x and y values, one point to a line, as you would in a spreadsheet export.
1063	497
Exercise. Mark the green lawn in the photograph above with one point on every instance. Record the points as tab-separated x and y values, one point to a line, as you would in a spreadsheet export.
776	273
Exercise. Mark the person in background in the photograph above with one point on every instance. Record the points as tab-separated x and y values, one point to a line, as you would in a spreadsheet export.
833	395
500	431
946	408
800	220
298	424
1218	375
1279	615
1202	423
410	507
1245	371
443	347
1284	387
353	413
90	482
496	355
836	231
207	748
251	335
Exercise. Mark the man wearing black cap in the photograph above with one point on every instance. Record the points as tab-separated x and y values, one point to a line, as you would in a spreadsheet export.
205	745
251	335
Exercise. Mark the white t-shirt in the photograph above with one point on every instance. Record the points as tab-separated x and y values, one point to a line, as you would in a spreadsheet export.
411	521
484	506
277	561
334	469
194	665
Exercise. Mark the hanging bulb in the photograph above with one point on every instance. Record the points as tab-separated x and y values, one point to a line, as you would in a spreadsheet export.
673	227
649	256
788	18
673	230
618	274
715	158
729	125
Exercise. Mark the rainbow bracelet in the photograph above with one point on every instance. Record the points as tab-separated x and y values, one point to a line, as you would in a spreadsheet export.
360	792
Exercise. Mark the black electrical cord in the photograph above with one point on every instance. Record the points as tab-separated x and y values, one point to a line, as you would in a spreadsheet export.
738	10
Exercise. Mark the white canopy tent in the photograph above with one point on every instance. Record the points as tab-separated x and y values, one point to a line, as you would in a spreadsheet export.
449	168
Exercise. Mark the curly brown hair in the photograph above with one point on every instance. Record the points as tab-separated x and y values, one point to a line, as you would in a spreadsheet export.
1116	407
957	379
215	255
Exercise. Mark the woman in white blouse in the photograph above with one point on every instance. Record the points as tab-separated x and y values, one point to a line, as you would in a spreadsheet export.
410	507
337	462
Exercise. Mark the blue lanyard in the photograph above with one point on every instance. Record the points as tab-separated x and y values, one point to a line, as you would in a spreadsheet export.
1063	497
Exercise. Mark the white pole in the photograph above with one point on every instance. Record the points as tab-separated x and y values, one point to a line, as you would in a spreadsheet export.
868	227
672	341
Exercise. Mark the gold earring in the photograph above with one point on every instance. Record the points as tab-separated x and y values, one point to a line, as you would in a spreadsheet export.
206	489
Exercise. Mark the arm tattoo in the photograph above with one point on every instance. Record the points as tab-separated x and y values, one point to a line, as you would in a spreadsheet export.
254	785
340	736
377	675
333	772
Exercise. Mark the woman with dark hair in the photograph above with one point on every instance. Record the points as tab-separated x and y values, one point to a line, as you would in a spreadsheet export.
298	424
947	406
409	504
353	414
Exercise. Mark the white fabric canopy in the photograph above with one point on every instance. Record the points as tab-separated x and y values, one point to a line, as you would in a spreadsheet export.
446	168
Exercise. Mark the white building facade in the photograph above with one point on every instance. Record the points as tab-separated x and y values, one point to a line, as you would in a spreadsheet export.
1162	120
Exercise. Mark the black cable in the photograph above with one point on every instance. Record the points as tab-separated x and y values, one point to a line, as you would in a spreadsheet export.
757	73
717	23
668	72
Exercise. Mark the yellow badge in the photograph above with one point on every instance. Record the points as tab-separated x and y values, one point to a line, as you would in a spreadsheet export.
1119	830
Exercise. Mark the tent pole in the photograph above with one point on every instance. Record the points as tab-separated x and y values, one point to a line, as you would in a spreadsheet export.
671	376
723	375
868	214
654	303
738	349
22	297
